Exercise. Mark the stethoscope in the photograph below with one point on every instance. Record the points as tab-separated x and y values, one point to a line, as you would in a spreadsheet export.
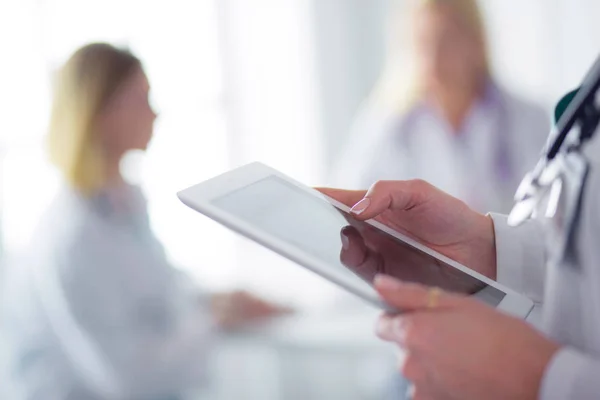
577	116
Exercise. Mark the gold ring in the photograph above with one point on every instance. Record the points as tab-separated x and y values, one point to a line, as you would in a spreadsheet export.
433	297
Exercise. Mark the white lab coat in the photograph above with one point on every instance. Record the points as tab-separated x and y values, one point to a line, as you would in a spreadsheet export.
527	261
482	165
95	311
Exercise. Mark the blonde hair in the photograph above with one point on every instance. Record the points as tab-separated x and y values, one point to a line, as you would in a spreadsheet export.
400	84
82	90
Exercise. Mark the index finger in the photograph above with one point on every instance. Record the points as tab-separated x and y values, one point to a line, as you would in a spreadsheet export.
393	195
347	197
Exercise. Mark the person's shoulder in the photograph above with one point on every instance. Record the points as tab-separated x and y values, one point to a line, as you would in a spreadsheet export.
371	120
65	213
66	228
370	131
525	107
528	118
377	125
137	196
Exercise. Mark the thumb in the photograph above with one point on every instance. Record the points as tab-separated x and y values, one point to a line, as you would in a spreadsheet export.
347	197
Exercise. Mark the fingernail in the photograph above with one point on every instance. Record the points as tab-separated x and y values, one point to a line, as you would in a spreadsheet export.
391	330
386	282
361	206
345	241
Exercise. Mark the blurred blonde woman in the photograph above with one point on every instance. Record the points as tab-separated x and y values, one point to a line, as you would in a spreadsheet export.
438	114
94	310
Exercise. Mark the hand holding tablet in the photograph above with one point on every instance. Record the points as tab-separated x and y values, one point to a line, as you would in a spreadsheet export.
319	233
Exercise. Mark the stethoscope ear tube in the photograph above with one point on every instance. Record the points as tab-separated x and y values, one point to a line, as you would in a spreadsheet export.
578	106
563	104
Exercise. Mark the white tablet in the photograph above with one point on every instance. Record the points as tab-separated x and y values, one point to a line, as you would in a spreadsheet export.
307	227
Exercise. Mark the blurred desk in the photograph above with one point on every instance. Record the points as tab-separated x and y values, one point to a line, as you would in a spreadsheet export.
326	356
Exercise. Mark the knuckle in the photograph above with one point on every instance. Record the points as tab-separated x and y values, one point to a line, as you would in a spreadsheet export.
384	185
410	333
377	186
419	184
416	334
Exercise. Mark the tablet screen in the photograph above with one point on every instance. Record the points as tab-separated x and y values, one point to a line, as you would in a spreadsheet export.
350	247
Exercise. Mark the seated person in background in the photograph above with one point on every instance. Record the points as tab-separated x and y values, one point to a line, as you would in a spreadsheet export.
445	121
95	310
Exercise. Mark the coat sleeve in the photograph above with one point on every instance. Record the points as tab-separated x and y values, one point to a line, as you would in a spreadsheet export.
520	257
571	375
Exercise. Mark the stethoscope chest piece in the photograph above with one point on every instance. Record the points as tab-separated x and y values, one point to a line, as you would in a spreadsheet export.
555	197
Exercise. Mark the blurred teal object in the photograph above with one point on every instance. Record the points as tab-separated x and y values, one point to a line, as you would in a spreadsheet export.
563	103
